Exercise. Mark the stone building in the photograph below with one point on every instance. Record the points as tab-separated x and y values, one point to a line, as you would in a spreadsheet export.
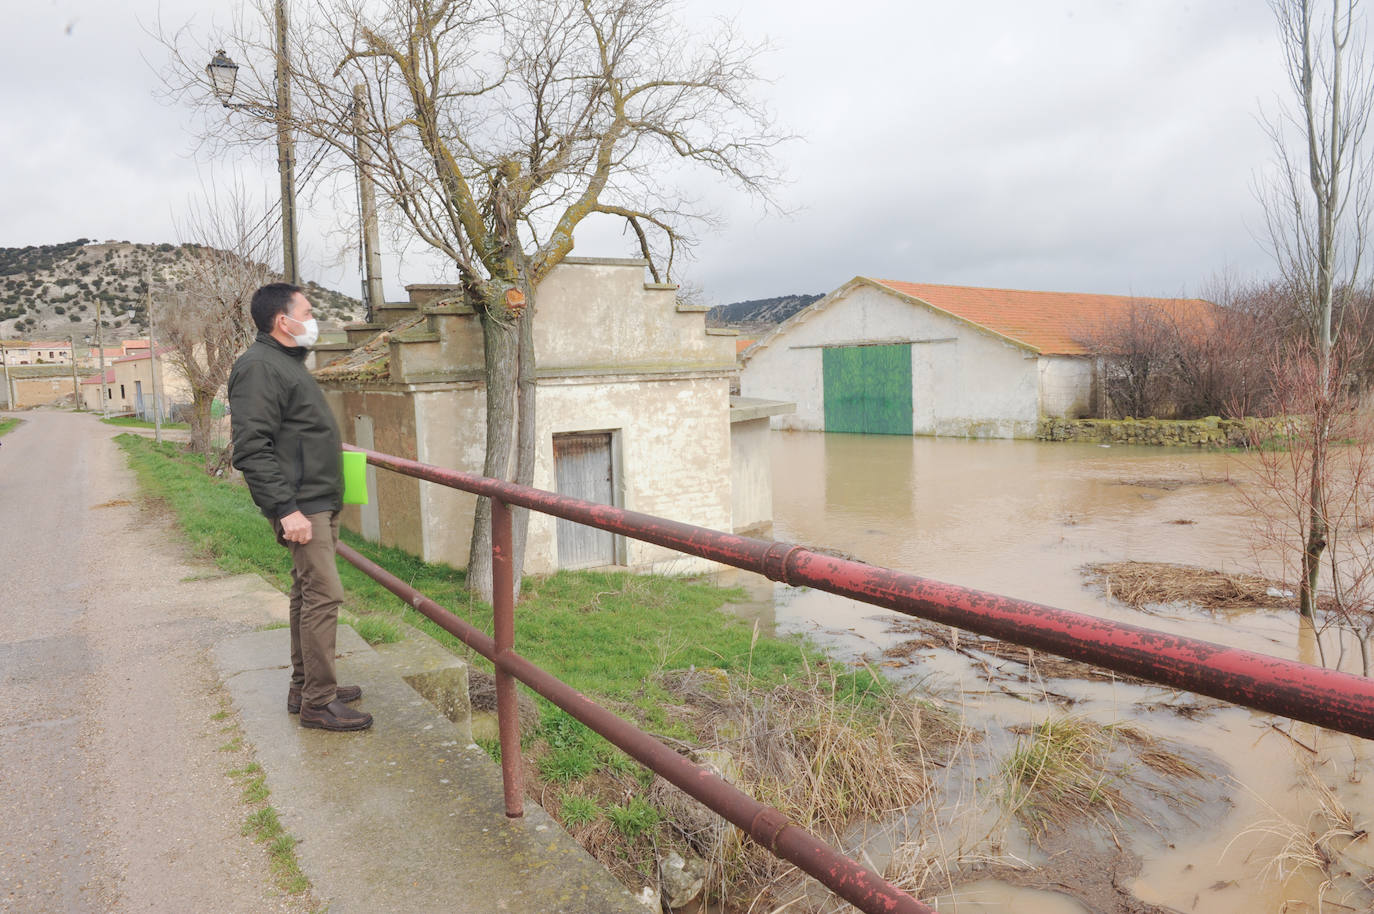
632	405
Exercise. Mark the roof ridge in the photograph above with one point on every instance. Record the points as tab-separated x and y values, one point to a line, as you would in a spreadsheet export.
945	285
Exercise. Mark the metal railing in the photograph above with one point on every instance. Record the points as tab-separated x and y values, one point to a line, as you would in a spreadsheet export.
1328	698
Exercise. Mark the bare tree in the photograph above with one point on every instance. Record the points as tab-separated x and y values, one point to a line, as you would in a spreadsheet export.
202	308
1137	355
1317	212
494	128
1310	416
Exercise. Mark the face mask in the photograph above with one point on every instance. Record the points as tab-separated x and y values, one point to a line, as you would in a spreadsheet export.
311	334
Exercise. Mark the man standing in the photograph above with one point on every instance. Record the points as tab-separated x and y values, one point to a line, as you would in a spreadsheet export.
286	444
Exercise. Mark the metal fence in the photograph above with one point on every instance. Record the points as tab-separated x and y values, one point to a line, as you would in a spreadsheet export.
1328	698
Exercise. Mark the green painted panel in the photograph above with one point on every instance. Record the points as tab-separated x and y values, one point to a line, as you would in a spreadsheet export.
868	389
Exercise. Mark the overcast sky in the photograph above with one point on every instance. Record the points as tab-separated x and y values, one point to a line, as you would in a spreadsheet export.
1099	146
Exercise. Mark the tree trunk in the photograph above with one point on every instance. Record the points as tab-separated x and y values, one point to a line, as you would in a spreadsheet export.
202	402
1314	543
501	352
526	439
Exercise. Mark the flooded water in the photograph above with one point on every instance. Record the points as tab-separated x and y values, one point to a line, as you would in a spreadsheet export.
1023	518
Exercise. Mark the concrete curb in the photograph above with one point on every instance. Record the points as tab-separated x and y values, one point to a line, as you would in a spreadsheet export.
407	816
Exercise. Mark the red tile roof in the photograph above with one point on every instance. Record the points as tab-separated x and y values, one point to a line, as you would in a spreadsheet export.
142	354
1053	323
95	378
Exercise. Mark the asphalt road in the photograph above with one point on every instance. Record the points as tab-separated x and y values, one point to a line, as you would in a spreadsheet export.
113	783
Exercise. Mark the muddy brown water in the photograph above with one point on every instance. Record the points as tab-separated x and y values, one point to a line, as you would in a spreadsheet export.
1023	518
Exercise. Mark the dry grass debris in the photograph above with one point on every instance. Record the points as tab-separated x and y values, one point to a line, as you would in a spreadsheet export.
1037	664
1142	584
1323	845
827	762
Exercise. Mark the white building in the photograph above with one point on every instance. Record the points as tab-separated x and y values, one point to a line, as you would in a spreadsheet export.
889	357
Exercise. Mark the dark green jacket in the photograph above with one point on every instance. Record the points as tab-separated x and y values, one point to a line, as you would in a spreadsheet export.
286	442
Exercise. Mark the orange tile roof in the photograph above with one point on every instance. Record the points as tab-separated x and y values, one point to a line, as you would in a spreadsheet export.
741	345
1054	323
142	355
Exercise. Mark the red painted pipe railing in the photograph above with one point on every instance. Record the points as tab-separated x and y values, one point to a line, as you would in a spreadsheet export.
1328	698
854	883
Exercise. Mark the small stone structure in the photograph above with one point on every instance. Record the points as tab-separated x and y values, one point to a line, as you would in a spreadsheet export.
632	405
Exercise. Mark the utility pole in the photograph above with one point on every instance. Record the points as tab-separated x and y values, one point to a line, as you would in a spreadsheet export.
9	388
152	356
100	348
286	153
372	261
76	385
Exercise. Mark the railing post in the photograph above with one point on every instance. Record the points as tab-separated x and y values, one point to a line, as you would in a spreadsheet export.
503	624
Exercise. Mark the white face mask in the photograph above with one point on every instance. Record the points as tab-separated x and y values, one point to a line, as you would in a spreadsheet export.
311	334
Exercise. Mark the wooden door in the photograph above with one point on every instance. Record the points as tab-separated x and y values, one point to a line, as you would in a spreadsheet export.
868	389
583	468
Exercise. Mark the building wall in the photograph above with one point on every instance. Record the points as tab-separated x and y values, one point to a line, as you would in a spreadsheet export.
38	391
591	315
172	385
965	382
90	397
1066	387
397	497
454	436
672	439
751	476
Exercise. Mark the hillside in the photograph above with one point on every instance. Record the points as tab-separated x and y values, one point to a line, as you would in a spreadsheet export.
51	290
758	314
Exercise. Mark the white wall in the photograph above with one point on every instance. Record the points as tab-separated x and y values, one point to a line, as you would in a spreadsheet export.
673	442
965	382
751	475
1066	385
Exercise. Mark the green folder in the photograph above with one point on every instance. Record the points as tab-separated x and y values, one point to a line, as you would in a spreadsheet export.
355	478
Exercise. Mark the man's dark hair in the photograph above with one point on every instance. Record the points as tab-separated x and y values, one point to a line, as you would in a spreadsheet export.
271	300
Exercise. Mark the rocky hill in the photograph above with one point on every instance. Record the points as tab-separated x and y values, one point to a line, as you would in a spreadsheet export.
51	290
758	314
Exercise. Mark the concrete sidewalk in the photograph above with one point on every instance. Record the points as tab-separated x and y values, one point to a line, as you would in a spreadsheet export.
407	816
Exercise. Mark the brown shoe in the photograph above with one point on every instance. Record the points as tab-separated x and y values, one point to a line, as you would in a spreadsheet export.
343	693
335	716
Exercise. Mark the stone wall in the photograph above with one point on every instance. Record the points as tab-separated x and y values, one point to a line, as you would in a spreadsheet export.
1202	433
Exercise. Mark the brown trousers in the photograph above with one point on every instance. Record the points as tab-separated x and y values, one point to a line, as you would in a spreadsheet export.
316	593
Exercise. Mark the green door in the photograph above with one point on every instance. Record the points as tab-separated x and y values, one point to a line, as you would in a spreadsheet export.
868	389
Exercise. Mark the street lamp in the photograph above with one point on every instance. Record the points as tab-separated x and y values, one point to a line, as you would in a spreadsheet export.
223	74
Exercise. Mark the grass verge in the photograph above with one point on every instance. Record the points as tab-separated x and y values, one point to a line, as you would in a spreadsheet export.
829	745
132	422
261	822
7	426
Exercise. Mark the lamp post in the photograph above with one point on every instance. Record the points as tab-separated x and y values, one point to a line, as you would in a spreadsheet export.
223	73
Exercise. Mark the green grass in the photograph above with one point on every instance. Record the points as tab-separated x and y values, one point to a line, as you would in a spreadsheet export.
577	810
375	629
131	422
634	818
262	823
7	426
